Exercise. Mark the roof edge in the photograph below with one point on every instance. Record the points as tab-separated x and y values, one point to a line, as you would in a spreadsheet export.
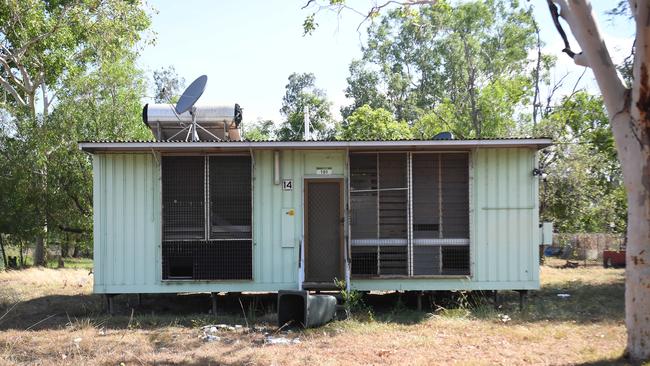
96	146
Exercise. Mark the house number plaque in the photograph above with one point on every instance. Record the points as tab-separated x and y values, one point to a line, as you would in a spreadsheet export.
287	184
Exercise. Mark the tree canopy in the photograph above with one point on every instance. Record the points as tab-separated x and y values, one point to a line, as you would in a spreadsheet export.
457	66
67	72
366	123
302	94
583	190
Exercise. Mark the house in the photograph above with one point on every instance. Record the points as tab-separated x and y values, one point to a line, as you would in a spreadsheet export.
240	216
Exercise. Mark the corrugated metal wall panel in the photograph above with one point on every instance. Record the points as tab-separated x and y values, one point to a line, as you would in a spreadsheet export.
505	215
98	226
127	220
127	196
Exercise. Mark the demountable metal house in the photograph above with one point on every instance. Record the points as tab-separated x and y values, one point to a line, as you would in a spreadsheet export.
219	216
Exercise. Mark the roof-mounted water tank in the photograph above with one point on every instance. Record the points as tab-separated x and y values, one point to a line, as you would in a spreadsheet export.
214	122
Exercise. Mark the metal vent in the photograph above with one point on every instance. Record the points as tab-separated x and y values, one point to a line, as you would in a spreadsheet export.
207	260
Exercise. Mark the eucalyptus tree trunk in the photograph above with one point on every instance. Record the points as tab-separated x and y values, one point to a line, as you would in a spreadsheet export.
629	116
39	251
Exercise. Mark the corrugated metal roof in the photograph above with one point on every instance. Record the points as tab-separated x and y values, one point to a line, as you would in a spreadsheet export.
215	146
313	141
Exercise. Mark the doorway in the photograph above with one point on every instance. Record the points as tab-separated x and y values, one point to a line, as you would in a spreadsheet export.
323	233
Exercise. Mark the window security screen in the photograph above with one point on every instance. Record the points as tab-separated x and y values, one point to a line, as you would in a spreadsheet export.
438	240
230	197
183	199
378	195
200	243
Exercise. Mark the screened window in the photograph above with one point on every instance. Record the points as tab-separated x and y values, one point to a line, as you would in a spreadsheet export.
230	197
206	209
183	197
378	195
409	213
440	196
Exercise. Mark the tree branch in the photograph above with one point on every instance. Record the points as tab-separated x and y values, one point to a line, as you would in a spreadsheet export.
27	80
7	85
374	10
538	71
307	4
640	94
11	75
60	18
582	21
556	20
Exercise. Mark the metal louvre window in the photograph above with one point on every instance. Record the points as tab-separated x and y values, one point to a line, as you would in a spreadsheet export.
201	241
440	214
409	214
378	195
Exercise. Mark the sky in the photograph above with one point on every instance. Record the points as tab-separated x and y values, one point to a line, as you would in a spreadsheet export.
249	48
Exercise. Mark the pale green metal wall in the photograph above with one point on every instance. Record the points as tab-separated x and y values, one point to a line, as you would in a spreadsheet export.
126	199
127	223
276	234
503	220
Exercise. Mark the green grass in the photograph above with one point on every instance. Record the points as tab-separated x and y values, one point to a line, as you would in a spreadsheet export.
53	261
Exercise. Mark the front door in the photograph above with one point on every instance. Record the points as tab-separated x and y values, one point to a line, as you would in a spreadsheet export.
323	231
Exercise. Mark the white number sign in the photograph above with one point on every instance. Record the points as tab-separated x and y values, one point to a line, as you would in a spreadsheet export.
287	184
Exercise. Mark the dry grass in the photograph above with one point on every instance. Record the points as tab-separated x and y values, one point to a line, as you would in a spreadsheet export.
586	328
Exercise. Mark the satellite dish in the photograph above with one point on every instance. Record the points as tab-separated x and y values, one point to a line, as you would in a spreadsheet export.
444	136
191	94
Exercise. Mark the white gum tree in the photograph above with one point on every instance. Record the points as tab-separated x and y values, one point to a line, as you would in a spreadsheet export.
628	109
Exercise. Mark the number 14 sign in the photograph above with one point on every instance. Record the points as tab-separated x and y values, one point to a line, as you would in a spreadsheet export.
287	184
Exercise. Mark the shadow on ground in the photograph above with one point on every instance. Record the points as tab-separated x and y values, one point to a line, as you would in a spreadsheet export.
586	303
620	361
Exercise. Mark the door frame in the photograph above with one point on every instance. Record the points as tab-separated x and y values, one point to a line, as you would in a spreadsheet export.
340	181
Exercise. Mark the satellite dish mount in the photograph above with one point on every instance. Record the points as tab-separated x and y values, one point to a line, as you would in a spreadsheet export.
186	104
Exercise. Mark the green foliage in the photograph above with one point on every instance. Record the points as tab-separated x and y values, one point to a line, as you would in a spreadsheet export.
301	92
168	85
309	25
457	66
363	89
353	302
259	131
584	190
103	104
45	42
373	124
74	78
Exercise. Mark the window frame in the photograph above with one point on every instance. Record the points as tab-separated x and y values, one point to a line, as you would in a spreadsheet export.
206	218
441	243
